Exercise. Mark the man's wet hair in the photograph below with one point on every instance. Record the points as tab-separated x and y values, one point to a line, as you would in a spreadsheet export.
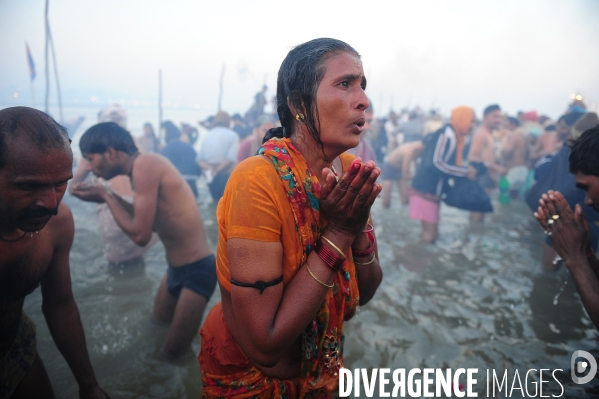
35	126
491	108
98	138
583	155
513	121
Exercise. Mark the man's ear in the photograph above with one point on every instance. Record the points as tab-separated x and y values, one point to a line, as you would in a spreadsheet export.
111	154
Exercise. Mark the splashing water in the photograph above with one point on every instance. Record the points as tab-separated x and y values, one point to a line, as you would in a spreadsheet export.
555	299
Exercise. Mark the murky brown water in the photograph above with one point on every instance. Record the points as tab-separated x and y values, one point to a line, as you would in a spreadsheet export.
477	299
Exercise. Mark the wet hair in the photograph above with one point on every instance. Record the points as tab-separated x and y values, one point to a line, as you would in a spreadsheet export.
98	138
550	128
583	155
172	132
300	75
38	128
513	121
491	108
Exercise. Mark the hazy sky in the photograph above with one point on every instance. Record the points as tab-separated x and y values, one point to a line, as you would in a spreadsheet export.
520	54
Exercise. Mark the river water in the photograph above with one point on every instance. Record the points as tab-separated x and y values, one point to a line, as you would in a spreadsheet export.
476	299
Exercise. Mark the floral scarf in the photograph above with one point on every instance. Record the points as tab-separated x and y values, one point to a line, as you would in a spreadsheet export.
322	341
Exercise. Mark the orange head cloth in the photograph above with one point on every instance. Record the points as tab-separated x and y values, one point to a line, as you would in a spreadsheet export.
461	120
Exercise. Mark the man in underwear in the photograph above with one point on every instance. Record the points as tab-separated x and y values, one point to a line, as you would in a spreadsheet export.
398	168
514	152
482	153
570	231
36	233
163	202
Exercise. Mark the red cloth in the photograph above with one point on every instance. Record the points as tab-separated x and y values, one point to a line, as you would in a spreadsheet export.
531	116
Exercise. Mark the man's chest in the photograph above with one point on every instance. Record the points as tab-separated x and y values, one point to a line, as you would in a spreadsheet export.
22	265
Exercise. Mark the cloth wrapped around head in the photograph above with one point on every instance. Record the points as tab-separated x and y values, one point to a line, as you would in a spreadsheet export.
461	121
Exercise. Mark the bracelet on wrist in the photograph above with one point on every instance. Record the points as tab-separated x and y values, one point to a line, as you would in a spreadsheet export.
317	279
330	258
339	251
365	252
369	229
366	263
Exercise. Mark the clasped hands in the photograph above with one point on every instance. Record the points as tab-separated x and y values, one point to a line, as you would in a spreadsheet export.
346	203
569	231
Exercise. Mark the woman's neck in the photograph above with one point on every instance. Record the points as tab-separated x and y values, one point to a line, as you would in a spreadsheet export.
314	155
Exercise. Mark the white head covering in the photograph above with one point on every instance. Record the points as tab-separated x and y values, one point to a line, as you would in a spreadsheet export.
114	113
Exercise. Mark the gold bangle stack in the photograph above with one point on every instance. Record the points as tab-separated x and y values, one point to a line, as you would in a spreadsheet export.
317	279
334	246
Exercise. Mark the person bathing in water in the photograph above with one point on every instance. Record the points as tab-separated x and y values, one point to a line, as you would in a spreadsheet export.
36	234
163	202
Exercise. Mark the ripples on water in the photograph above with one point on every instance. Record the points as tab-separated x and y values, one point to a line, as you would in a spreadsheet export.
476	299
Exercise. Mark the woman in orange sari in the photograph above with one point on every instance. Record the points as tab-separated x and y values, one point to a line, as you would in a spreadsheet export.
296	251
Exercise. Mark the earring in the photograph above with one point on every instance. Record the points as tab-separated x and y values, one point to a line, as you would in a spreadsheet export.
299	116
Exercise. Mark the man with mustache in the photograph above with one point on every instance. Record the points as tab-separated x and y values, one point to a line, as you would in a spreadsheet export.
36	233
569	231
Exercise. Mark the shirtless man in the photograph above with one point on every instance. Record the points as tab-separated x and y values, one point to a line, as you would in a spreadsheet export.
482	152
162	202
397	168
514	153
36	233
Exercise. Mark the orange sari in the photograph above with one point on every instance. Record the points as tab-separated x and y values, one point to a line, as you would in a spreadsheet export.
281	206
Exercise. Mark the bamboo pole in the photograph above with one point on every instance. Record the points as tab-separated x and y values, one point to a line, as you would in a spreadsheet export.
47	98
159	105
220	91
56	74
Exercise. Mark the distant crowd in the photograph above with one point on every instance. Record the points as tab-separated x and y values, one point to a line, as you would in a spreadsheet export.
297	251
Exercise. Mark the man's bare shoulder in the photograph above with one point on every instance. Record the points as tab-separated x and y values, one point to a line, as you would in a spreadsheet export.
150	167
152	160
482	131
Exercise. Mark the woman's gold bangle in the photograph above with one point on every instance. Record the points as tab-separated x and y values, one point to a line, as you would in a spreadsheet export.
334	246
366	263
317	279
